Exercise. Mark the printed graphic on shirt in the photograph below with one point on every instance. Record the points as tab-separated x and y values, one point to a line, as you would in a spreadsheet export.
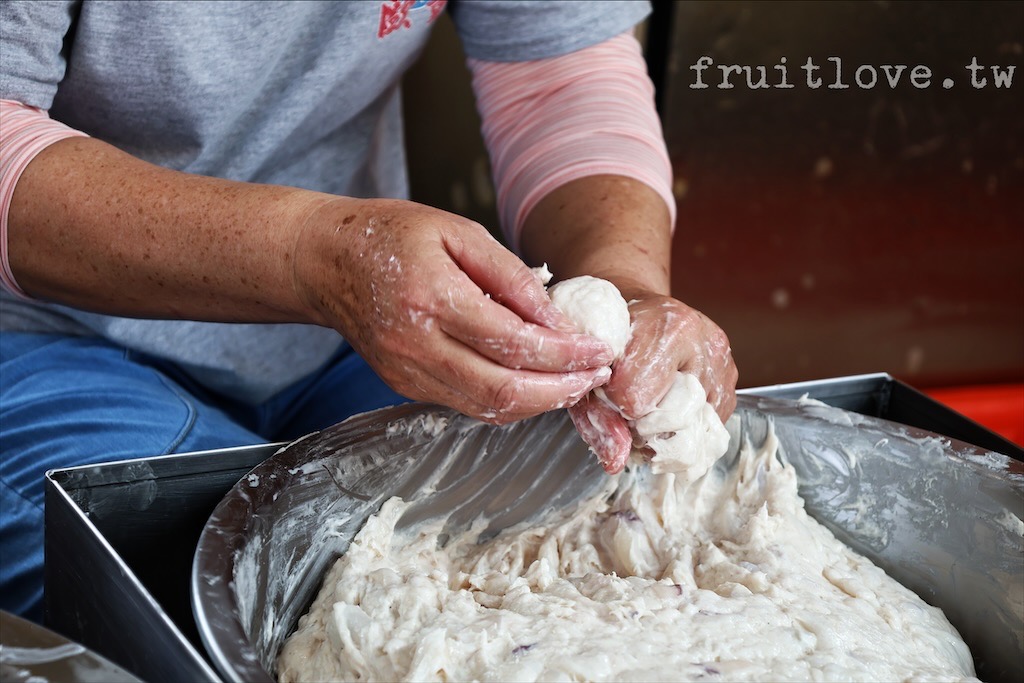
396	14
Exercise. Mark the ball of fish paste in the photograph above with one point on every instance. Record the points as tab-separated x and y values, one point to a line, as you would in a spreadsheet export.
596	307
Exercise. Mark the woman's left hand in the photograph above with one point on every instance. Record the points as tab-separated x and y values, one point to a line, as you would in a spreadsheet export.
667	337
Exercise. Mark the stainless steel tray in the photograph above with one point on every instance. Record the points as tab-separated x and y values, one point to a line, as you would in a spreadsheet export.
121	536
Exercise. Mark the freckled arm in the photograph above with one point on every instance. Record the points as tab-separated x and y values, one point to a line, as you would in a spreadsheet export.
92	227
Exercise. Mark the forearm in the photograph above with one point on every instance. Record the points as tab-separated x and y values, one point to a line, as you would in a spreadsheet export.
581	170
92	227
612	227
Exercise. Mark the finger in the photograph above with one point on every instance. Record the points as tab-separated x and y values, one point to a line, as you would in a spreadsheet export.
604	431
646	371
504	337
721	384
726	406
420	382
716	369
505	392
505	278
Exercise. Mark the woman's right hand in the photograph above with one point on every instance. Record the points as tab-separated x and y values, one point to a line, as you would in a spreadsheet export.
441	311
436	306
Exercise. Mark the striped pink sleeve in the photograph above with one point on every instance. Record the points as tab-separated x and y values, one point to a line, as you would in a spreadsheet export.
24	132
550	121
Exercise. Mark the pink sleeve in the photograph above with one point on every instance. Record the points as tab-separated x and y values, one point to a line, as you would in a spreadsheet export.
24	132
550	121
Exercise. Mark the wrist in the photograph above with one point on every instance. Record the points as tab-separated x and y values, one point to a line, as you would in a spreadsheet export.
334	236
609	227
310	256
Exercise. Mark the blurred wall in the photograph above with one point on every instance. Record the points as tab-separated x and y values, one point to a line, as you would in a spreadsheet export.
828	231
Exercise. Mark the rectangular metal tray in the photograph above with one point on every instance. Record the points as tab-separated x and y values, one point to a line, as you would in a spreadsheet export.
120	536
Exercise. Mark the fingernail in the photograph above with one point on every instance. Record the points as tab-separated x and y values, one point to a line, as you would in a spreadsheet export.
586	381
553	318
600	355
604	354
601	377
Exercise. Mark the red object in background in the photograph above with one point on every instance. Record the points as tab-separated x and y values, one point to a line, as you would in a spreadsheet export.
999	407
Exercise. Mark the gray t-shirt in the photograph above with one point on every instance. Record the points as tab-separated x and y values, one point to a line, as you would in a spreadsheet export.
304	94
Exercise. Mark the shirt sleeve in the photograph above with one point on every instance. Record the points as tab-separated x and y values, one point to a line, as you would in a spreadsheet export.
34	55
24	132
551	121
519	30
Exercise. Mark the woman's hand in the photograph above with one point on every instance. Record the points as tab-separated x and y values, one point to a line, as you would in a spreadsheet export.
441	311
667	336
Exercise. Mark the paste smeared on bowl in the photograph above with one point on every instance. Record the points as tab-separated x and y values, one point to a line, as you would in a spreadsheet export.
727	578
673	571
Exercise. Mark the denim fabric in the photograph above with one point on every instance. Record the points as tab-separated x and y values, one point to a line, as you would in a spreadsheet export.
67	401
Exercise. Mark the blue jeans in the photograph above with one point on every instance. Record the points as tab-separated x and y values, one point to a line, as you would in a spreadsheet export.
67	401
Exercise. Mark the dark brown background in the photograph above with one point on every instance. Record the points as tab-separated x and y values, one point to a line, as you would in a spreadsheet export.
828	232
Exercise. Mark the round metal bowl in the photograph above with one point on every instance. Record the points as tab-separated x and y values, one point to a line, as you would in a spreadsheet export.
942	517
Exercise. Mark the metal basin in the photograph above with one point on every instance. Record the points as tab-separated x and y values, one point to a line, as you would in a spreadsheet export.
942	517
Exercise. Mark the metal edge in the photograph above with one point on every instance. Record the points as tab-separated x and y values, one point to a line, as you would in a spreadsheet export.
205	622
195	462
808	385
55	487
208	623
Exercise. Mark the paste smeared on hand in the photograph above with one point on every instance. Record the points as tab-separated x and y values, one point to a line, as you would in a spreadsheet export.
682	431
726	579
